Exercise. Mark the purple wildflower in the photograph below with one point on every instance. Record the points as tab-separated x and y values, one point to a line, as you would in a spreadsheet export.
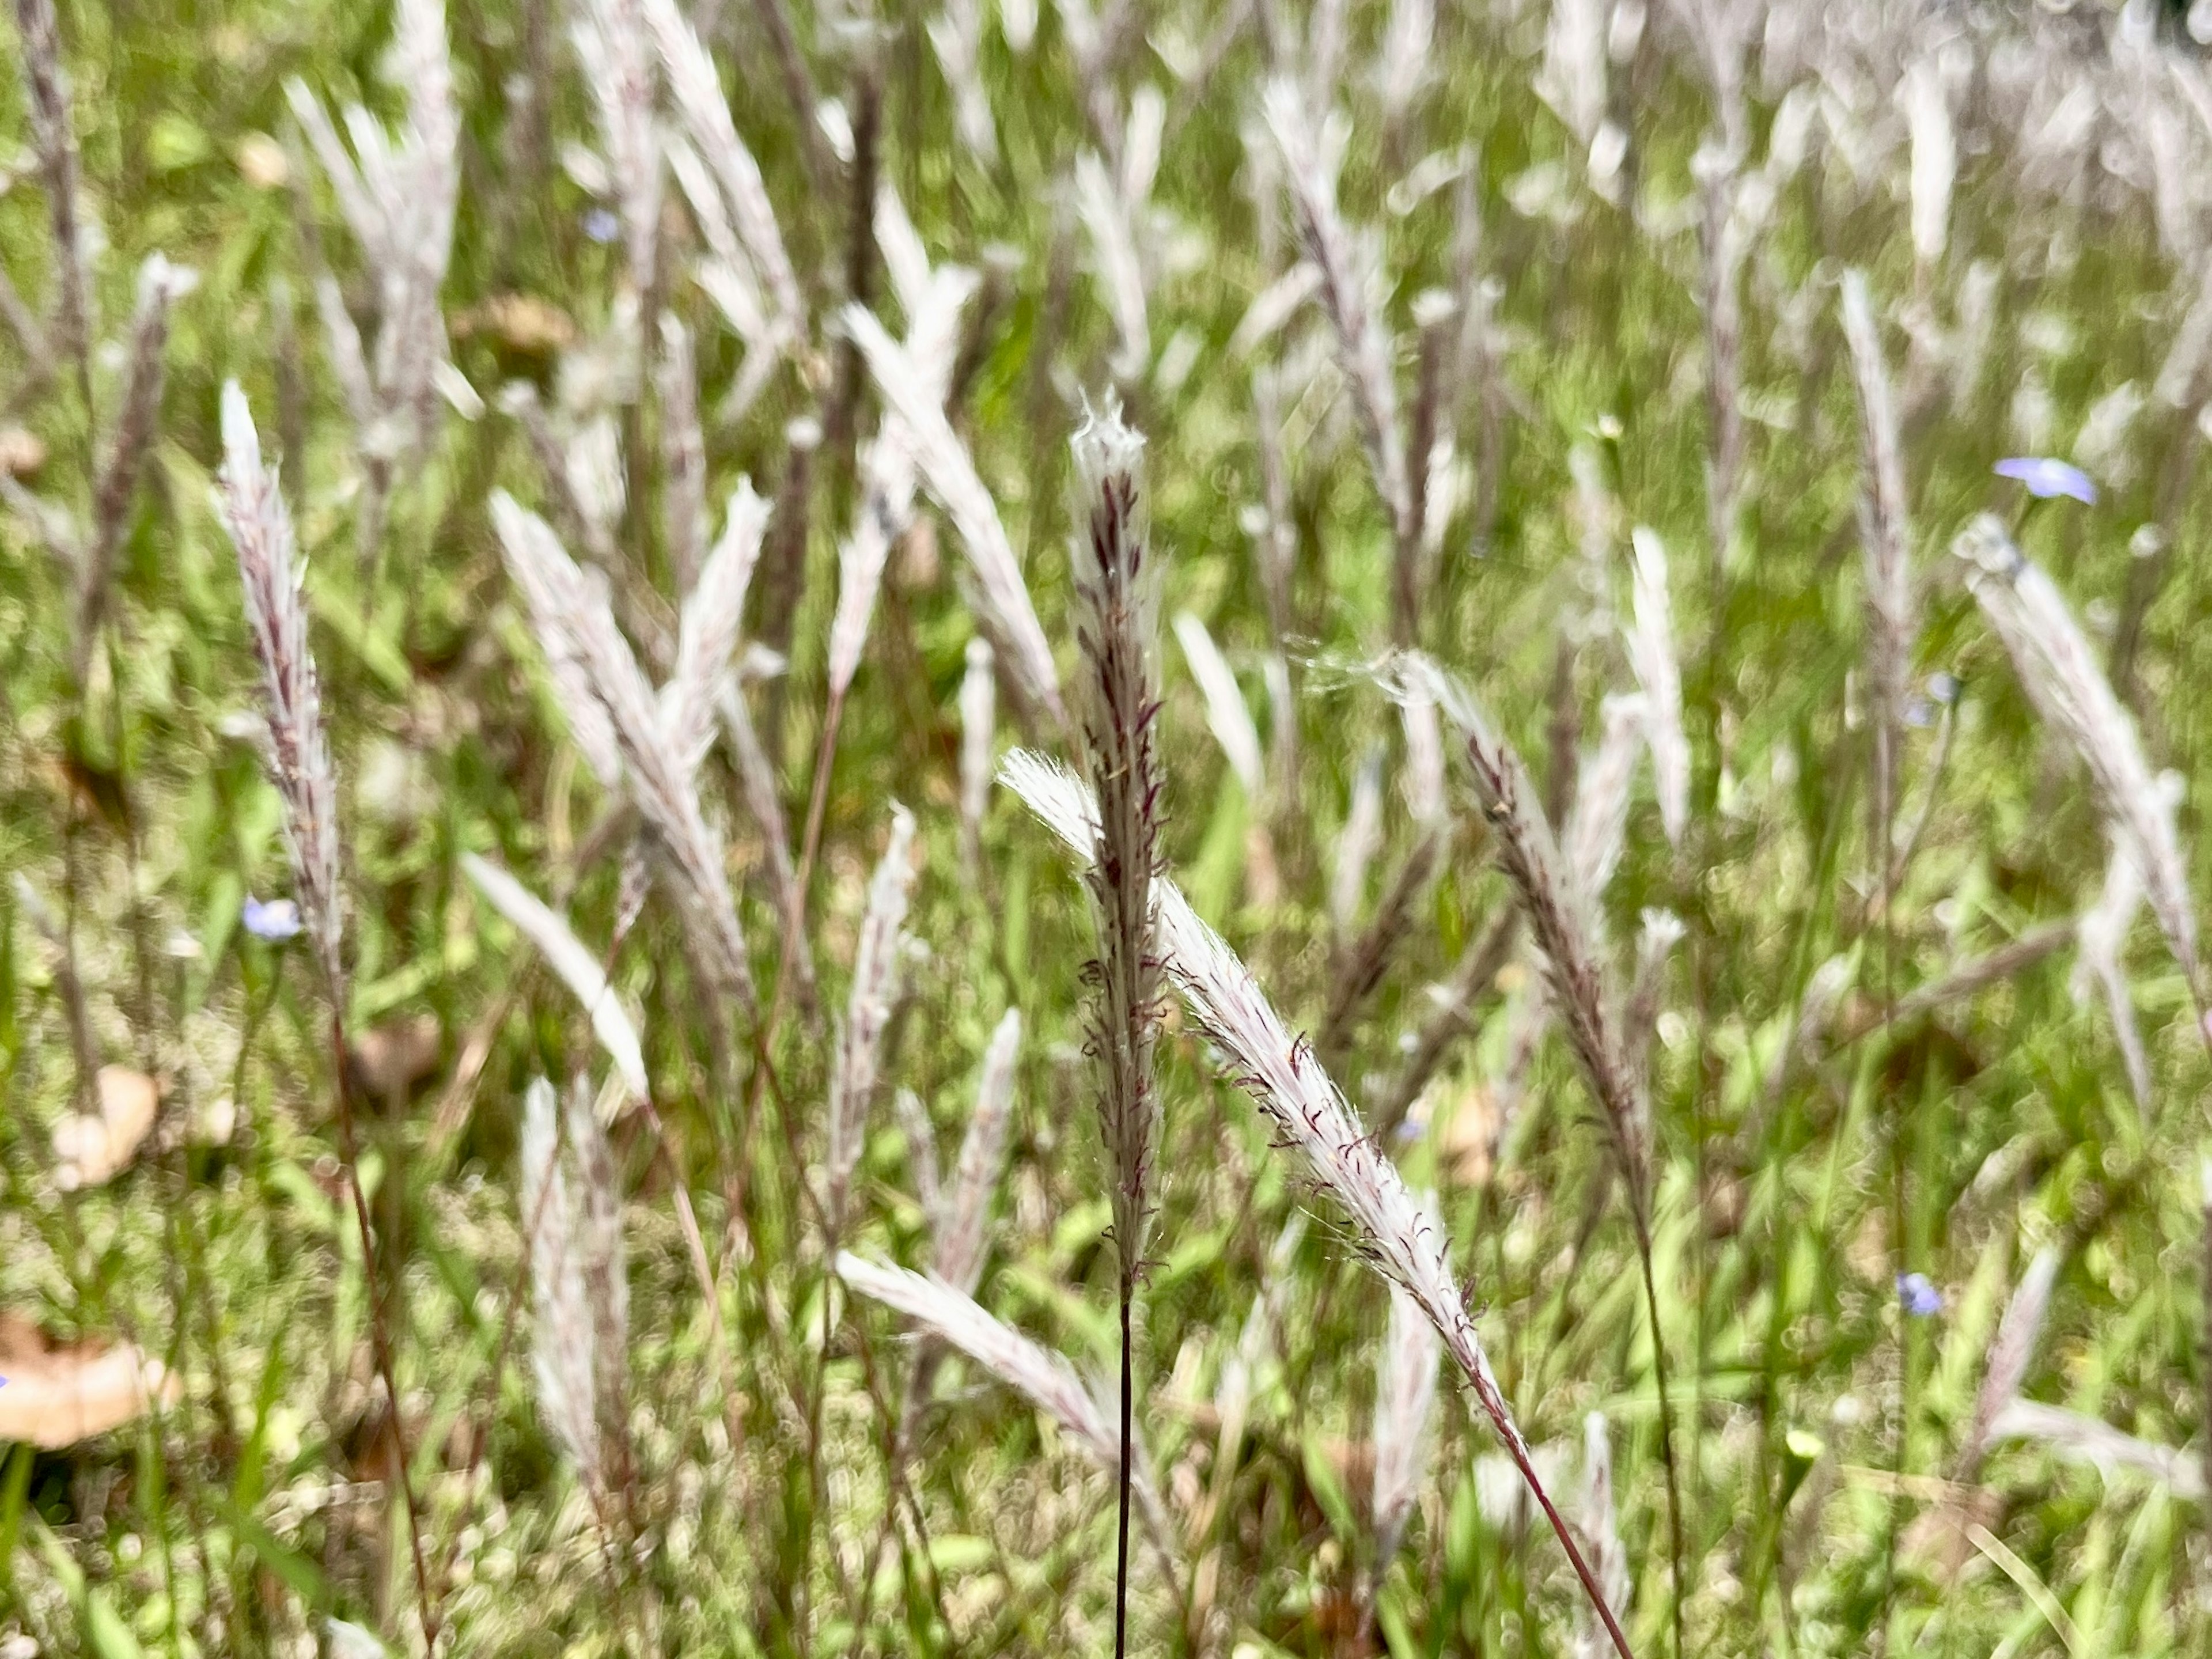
275	920
2045	476
601	226
1919	1298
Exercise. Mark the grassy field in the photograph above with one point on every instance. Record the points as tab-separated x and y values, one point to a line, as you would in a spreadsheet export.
549	973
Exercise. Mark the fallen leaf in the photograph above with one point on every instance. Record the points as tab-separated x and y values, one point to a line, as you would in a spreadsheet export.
90	1147
21	452
523	323
391	1059
262	161
60	1393
1468	1138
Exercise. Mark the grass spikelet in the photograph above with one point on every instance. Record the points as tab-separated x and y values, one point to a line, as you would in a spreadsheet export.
1651	653
1280	1072
2100	933
956	35
620	68
697	91
1119	702
961	1236
260	526
1045	1379
555	592
2080	1439
1934	159
706	630
1888	536
1227	714
934	301
579	1286
137	423
2069	690
1356	842
858	1060
1559	917
1405	1403
571	960
1312	156
1601	1525
658	775
1596	831
978	746
2011	1352
950	475
683	453
1120	273
563	1341
47	89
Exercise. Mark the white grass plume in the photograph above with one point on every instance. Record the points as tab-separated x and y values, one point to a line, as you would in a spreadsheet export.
571	960
658	775
2101	935
978	707
708	627
859	1061
887	462
2080	1439
1935	157
1120	272
1602	1526
956	34
906	259
298	756
1561	921
1358	842
1042	1377
961	1239
1424	782
1227	714
131	437
1312	154
951	476
697	91
1273	306
2063	679
1278	1071
1890	621
1659	671
1115	581
2011	1352
914	1120
555	592
683	452
579	1286
1596	832
620	68
398	198
1403	66
1404	1406
562	1343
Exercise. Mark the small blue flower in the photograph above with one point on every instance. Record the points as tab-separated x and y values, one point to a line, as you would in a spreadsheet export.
1918	711
2047	476
601	226
1944	687
1917	1296
276	920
